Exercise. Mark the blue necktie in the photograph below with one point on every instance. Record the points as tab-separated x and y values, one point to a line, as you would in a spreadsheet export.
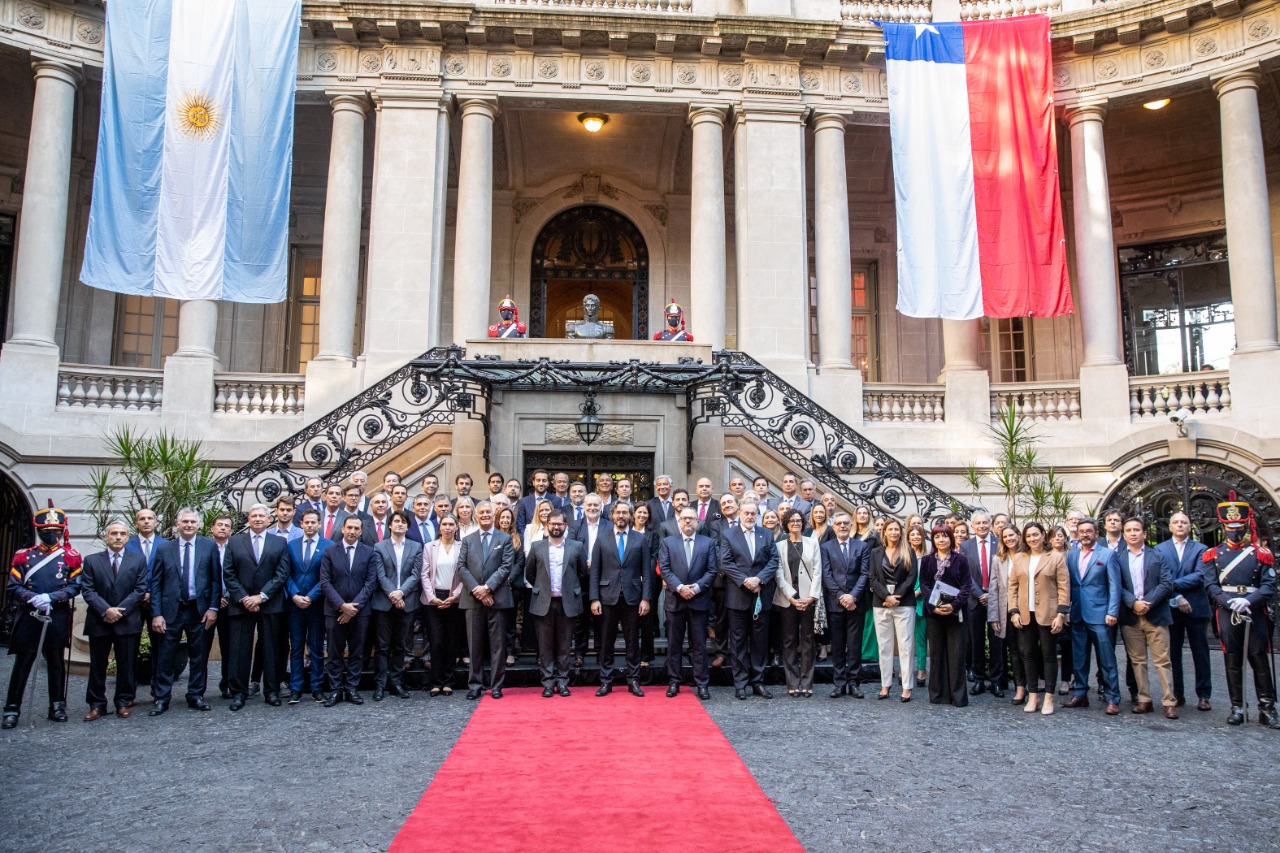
622	546
186	567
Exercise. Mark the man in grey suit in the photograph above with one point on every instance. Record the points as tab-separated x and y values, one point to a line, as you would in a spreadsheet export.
395	600
485	562
554	571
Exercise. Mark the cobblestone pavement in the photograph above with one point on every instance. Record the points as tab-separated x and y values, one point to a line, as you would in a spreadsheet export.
843	774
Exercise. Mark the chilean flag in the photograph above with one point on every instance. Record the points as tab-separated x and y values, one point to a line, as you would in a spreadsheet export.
975	166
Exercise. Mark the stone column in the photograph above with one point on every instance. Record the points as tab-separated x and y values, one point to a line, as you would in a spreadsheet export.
198	328
29	367
707	227
437	236
473	241
771	239
189	372
960	345
968	399
1104	379
340	261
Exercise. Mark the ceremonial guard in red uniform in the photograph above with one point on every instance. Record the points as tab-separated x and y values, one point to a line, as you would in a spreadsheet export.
510	327
1241	581
675	325
44	581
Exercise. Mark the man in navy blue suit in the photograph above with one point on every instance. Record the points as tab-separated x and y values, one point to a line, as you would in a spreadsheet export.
1095	612
846	564
524	510
306	614
688	563
749	563
348	573
1146	584
1189	608
256	567
621	589
147	543
185	588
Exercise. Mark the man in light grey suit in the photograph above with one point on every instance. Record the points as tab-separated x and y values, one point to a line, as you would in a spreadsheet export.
395	599
485	562
555	570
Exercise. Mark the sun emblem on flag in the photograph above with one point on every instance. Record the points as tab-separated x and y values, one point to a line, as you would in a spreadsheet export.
198	116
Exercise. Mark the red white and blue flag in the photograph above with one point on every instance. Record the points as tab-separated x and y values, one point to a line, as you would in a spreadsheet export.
975	166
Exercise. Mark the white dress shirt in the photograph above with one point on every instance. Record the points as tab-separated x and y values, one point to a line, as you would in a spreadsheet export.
555	565
1136	573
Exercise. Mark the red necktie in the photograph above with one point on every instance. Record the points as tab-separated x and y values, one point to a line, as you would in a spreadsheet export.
986	574
379	531
328	527
702	512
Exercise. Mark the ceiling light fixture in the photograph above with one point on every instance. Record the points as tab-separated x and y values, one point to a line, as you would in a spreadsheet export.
1156	105
593	121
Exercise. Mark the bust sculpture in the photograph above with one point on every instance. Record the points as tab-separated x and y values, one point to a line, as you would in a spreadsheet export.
590	326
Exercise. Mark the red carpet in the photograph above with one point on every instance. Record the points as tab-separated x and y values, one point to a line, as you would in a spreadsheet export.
617	773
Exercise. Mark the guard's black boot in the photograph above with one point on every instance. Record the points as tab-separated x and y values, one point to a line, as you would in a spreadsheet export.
1267	715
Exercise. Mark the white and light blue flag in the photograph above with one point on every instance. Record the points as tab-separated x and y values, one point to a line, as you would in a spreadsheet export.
195	150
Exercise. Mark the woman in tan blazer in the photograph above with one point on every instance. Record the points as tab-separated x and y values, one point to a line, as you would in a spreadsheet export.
1039	601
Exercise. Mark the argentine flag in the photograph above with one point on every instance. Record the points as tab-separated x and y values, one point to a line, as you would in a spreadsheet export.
975	169
195	150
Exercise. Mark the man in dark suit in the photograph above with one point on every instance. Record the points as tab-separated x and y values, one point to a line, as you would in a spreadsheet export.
1146	585
586	531
485	561
113	583
979	551
146	542
348	575
256	569
541	492
395	601
688	563
706	506
555	571
723	520
671	527
422	527
185	588
846	570
1189	608
329	512
1095	612
306	614
312	498
661	508
621	590
749	564
353	496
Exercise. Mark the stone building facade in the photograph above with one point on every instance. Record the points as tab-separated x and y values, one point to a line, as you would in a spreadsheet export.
743	169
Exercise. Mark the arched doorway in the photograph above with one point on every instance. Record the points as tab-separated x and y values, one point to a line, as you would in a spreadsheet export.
589	249
1196	488
16	531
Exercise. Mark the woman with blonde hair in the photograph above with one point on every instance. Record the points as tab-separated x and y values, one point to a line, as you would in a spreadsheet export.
821	531
893	574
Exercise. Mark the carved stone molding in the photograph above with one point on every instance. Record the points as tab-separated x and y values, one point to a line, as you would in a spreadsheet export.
612	435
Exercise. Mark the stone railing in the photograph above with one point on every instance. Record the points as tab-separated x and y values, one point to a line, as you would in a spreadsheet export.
601	5
1205	393
1043	401
903	403
259	393
894	11
126	389
983	10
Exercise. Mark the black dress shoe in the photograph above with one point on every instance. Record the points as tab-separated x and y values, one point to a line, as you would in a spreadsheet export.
159	708
496	692
837	692
10	720
253	690
354	698
273	699
295	696
977	688
548	692
474	694
672	689
317	696
226	694
854	691
378	693
198	704
58	712
1236	717
237	702
633	687
333	699
605	690
704	692
738	694
763	692
399	692
564	690
997	692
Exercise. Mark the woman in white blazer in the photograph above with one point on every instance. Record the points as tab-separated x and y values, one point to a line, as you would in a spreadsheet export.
799	599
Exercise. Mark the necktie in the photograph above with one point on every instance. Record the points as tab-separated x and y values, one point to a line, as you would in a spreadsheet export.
750	536
186	566
844	548
307	548
702	511
422	531
257	547
115	564
579	511
982	555
328	527
351	556
666	510
622	546
688	551
146	549
484	544
379	531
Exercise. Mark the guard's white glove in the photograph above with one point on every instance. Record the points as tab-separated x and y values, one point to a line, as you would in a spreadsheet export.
42	602
1239	605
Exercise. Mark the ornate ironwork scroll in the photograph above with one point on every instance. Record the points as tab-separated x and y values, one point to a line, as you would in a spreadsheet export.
743	394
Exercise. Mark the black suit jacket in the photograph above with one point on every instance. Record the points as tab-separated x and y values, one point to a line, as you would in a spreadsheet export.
737	564
341	584
367	534
103	588
844	577
630	579
656	516
713	510
244	576
677	571
167	589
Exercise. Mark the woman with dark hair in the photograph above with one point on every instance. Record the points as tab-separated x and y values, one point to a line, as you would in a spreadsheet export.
798	601
1010	543
944	587
919	542
441	589
1060	541
505	521
651	538
1039	601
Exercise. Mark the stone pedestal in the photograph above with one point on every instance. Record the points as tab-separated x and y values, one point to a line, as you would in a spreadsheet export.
839	391
968	399
1104	392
